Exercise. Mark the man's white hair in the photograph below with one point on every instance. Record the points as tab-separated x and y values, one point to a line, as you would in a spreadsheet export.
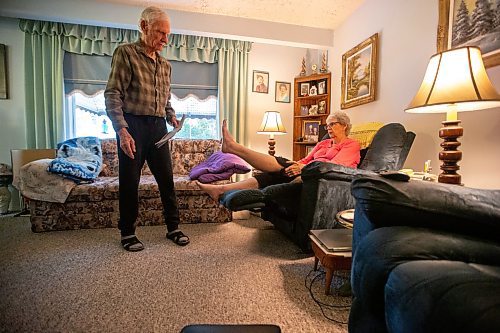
152	14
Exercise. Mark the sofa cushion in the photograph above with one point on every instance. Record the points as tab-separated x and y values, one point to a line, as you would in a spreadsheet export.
443	296
186	154
107	188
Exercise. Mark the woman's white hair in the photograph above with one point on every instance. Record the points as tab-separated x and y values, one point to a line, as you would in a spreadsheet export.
152	14
342	118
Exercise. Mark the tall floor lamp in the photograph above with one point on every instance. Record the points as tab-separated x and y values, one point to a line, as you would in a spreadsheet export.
272	125
455	81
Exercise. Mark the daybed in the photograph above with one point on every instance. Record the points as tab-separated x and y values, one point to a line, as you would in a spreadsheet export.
95	205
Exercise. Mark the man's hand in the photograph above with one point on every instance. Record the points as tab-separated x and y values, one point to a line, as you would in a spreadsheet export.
174	121
127	143
294	169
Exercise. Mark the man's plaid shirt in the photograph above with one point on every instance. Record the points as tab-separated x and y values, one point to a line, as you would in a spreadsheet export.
137	85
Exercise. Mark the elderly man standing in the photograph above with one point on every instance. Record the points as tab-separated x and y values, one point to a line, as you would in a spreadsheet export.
138	103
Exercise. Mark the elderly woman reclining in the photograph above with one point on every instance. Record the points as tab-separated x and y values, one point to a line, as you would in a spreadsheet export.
339	149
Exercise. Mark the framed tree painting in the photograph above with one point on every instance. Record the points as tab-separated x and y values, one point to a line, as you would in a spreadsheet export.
359	73
470	23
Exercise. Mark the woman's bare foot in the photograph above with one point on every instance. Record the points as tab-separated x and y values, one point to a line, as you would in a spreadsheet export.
228	141
214	191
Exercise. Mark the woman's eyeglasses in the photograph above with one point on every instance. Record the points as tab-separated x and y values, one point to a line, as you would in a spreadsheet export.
330	125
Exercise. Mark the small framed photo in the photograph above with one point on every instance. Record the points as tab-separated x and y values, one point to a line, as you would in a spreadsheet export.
304	110
309	149
260	82
313	91
282	92
313	110
322	106
310	130
304	89
322	87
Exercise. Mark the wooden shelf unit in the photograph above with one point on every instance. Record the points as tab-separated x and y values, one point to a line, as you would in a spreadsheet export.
300	100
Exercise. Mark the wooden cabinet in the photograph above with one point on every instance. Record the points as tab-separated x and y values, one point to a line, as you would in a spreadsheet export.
311	108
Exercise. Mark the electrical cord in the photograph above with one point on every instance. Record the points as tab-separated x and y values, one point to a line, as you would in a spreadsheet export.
323	306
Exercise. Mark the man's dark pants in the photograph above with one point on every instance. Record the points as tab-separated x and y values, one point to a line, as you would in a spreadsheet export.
146	131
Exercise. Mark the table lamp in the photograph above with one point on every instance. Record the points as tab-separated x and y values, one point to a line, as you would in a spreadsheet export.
455	81
272	125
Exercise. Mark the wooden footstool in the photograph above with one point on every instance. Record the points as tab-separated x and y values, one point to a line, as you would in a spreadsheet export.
332	247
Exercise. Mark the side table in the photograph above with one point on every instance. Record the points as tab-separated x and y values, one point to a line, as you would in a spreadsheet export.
332	247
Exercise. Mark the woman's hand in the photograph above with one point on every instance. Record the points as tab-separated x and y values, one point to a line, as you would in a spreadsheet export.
127	143
294	169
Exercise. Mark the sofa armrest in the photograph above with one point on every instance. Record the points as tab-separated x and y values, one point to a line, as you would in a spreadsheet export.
330	171
382	202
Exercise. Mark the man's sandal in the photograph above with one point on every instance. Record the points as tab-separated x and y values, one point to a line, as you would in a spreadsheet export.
132	244
178	238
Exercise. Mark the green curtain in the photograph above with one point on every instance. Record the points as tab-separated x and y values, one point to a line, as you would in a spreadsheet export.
233	91
46	43
44	90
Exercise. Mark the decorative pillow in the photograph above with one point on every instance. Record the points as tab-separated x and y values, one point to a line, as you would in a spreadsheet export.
219	166
364	133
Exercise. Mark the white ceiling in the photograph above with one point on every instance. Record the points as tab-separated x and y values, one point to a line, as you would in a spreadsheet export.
324	14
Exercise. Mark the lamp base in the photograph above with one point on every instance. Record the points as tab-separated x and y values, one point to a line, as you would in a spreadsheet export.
271	142
450	156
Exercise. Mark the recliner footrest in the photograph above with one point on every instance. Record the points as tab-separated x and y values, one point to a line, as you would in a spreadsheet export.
237	200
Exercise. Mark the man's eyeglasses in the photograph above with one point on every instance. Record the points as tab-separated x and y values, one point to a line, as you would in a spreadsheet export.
330	125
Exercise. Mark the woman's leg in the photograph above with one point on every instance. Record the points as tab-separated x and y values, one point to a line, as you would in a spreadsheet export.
263	162
215	191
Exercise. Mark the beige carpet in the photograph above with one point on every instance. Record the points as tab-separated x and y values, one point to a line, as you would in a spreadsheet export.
82	281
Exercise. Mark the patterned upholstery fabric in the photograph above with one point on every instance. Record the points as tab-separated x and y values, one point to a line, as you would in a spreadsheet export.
95	205
364	133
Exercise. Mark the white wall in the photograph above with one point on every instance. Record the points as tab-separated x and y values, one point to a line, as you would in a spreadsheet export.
12	119
283	64
407	39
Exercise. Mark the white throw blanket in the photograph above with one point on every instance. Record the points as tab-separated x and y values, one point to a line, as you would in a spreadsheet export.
35	182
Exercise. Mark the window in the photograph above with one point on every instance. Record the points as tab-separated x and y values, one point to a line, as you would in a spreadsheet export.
88	115
201	117
194	93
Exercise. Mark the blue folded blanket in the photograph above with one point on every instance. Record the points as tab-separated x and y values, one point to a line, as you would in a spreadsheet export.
79	159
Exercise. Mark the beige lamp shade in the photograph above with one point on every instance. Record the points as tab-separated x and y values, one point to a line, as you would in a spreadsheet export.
271	124
455	80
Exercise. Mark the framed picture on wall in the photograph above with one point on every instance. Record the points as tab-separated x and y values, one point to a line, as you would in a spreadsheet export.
359	73
4	91
282	92
456	22
260	82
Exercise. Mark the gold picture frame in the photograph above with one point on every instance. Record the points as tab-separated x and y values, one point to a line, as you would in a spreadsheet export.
4	88
491	57
359	73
